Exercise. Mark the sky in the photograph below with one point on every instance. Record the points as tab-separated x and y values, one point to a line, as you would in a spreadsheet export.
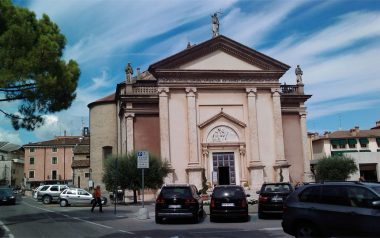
336	43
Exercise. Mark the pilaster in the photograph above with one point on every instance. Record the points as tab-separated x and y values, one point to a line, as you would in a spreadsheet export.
252	130
192	126
129	127
279	135
308	176
164	123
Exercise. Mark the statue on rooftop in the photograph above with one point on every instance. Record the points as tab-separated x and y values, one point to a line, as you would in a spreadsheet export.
299	73
215	25
129	72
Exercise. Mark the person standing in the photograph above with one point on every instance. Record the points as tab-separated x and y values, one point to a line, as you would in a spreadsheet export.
97	196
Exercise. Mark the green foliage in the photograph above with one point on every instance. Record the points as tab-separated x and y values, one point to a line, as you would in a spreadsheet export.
127	176
337	167
31	69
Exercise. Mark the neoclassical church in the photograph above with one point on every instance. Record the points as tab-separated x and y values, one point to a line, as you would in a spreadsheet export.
217	107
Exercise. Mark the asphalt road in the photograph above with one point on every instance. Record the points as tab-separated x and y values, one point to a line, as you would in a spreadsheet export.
33	219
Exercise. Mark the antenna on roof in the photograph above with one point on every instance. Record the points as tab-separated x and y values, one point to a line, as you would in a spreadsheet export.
340	122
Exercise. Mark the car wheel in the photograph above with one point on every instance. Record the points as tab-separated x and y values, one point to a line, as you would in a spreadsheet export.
63	203
306	229
46	199
158	220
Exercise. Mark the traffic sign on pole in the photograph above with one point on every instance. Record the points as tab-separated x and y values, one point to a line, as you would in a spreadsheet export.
143	159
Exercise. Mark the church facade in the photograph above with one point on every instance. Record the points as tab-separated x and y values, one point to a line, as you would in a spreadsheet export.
216	108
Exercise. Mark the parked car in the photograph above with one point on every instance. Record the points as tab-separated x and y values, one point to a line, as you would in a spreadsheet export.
333	209
77	196
272	197
7	196
229	201
35	191
50	193
179	201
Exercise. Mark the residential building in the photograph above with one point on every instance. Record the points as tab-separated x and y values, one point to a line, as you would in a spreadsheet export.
217	107
362	145
81	165
11	164
50	161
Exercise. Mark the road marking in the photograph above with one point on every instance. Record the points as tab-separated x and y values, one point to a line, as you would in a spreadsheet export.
271	229
205	232
128	232
10	235
75	218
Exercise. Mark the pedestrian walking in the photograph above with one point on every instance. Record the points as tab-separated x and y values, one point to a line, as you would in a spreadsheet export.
97	199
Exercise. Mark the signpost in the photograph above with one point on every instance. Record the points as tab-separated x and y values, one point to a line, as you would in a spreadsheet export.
142	163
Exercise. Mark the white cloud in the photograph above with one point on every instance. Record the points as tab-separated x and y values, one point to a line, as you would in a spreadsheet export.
10	136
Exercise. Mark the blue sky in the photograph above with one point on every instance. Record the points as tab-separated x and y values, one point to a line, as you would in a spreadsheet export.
336	42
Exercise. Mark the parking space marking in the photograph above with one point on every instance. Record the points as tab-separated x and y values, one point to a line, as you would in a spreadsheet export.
75	218
271	229
128	232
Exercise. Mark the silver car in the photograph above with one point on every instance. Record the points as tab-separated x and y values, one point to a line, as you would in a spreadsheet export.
75	196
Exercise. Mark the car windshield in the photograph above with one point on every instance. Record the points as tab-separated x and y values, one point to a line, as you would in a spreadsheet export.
6	192
234	192
176	191
281	188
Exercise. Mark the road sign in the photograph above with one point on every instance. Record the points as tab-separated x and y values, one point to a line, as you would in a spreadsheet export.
143	159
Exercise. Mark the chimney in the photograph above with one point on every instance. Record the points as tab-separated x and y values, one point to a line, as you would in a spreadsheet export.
377	123
357	129
326	133
64	133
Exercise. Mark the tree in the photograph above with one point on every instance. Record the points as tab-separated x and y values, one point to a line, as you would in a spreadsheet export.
337	167
31	69
122	171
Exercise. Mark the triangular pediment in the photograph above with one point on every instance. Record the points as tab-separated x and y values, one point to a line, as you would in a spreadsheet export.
219	53
218	60
222	115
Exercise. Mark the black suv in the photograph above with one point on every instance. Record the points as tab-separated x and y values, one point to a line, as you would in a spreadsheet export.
229	201
272	197
333	209
179	201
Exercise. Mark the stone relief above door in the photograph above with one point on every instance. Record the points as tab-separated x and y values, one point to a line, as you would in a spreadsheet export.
222	134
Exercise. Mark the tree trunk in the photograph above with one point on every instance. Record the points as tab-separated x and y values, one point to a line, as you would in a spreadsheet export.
134	196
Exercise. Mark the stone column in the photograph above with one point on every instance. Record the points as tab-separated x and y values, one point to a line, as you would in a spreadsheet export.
281	165
164	123
279	135
252	130
308	176
242	165
129	126
192	127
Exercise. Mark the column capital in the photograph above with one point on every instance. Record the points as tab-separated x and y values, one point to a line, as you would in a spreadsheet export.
251	92
275	92
242	150
303	114
190	91
163	91
129	115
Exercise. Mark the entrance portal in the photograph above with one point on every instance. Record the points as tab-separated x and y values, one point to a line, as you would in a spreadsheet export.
224	164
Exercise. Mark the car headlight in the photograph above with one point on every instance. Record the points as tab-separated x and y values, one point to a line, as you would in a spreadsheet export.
11	197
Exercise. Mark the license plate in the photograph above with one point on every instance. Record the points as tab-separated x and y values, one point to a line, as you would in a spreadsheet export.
277	199
174	206
228	205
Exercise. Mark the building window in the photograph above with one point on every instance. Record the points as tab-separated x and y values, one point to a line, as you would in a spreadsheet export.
342	146
363	142
107	151
31	149
378	142
352	146
54	149
54	175
54	160
31	160
86	175
31	173
334	146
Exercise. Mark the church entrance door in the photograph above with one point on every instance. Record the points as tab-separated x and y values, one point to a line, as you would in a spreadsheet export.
224	164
